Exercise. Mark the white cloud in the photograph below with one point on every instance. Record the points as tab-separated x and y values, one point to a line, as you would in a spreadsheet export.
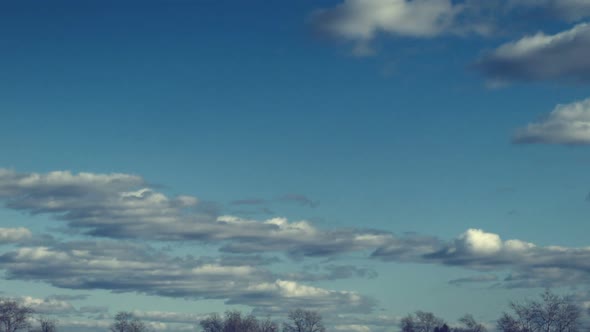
362	19
566	124
11	235
479	242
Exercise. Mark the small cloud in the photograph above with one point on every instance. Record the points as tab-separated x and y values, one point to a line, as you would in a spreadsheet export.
566	124
474	279
512	212
300	199
249	201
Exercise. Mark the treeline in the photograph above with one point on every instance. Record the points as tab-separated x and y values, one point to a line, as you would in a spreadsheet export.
550	313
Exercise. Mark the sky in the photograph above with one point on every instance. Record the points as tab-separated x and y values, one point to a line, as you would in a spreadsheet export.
361	158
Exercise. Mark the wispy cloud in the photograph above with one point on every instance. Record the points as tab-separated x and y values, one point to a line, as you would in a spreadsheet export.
483	278
361	21
299	199
562	56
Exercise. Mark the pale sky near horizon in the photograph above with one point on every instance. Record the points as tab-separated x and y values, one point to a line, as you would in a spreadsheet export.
361	158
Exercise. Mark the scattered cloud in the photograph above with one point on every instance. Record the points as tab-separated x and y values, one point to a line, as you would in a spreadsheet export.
562	56
566	124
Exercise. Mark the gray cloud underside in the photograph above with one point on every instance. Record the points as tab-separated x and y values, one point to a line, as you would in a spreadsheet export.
119	206
564	56
118	267
122	206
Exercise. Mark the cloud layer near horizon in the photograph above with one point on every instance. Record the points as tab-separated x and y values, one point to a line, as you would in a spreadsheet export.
111	206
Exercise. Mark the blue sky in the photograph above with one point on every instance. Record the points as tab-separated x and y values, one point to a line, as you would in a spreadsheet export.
365	158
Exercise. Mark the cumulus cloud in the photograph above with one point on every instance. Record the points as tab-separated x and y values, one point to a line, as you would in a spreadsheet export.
566	124
530	265
562	56
13	235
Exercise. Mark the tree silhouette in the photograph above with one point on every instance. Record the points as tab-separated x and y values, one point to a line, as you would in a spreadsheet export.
552	314
13	315
45	325
422	321
127	322
304	321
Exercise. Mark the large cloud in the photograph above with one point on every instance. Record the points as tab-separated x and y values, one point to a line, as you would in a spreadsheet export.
562	56
566	124
120	206
118	267
529	265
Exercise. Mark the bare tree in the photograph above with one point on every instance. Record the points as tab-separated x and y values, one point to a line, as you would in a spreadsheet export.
235	322
470	325
421	321
552	314
304	321
268	325
127	322
45	325
213	323
13	315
